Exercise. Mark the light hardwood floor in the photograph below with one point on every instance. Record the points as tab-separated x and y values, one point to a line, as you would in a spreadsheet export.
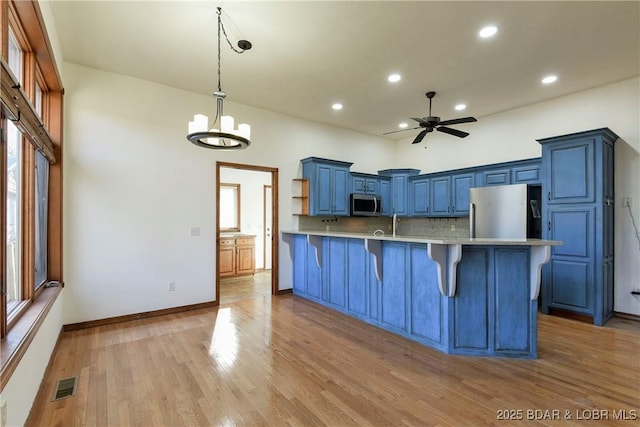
238	288
285	361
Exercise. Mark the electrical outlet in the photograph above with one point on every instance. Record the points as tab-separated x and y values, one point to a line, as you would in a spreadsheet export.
194	231
627	201
172	286
453	227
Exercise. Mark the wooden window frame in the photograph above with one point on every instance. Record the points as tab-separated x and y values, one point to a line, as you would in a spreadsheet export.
42	132
238	211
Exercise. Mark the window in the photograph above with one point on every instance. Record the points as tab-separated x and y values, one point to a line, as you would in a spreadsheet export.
15	57
229	207
38	100
13	203
40	206
30	181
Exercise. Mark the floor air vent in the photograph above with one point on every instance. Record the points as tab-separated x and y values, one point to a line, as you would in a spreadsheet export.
65	388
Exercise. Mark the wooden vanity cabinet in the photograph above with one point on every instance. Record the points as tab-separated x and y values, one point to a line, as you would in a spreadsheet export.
237	256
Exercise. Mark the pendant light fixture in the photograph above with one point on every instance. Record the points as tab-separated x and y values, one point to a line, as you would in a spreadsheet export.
223	136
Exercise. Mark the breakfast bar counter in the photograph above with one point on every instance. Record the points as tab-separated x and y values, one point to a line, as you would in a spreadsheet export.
458	295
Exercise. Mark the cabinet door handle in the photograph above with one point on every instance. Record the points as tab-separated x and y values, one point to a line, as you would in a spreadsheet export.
549	225
549	196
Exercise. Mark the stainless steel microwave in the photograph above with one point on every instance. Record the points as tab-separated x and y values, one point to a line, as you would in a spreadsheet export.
365	205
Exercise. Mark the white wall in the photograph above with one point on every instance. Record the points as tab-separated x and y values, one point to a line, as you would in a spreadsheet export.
134	186
512	135
251	204
24	383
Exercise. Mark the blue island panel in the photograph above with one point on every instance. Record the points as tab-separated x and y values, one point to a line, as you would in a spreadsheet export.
300	268
426	300
307	277
513	308
357	277
335	256
394	285
471	305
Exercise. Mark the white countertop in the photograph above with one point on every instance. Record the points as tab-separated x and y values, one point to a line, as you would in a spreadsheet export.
426	239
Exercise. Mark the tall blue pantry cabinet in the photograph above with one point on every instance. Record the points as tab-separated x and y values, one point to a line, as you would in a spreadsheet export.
577	174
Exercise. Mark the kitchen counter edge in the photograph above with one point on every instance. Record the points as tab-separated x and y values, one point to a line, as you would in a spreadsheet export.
435	240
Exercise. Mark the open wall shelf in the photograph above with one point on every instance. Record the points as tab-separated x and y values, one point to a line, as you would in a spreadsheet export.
300	192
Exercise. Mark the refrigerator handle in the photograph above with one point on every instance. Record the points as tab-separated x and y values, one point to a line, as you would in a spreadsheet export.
472	220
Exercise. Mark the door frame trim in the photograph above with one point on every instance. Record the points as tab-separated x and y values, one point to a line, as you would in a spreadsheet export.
264	221
274	219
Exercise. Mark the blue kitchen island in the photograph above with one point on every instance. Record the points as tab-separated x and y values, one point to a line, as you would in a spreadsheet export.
461	296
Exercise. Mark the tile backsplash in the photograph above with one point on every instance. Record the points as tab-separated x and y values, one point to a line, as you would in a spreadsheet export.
427	227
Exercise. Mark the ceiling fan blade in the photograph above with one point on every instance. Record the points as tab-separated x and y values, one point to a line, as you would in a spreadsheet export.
453	132
458	121
401	130
420	137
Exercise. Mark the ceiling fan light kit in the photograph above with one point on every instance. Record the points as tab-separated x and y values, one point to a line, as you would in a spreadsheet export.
224	136
429	123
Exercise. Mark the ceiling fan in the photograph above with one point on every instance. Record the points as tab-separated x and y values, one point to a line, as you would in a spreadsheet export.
430	123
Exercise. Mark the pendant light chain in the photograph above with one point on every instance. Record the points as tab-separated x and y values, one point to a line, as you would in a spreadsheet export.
219	26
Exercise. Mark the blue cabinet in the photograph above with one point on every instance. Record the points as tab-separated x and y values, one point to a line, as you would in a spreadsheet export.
577	172
450	194
419	196
491	312
441	196
461	183
384	184
517	172
329	186
526	172
346	281
395	265
398	189
365	183
495	177
307	276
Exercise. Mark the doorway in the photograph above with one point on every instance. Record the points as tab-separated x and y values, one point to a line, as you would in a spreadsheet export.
247	249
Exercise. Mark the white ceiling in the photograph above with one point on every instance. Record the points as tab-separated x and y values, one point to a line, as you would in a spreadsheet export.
307	55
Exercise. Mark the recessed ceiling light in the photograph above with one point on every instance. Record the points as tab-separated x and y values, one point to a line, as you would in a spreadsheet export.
488	31
337	106
549	79
403	125
394	78
460	107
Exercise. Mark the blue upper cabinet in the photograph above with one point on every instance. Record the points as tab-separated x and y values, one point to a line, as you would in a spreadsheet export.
441	196
517	172
526	172
419	196
399	189
384	184
495	177
364	183
450	194
570	167
329	185
461	183
577	177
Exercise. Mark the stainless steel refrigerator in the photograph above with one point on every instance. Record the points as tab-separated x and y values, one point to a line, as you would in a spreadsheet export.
505	212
